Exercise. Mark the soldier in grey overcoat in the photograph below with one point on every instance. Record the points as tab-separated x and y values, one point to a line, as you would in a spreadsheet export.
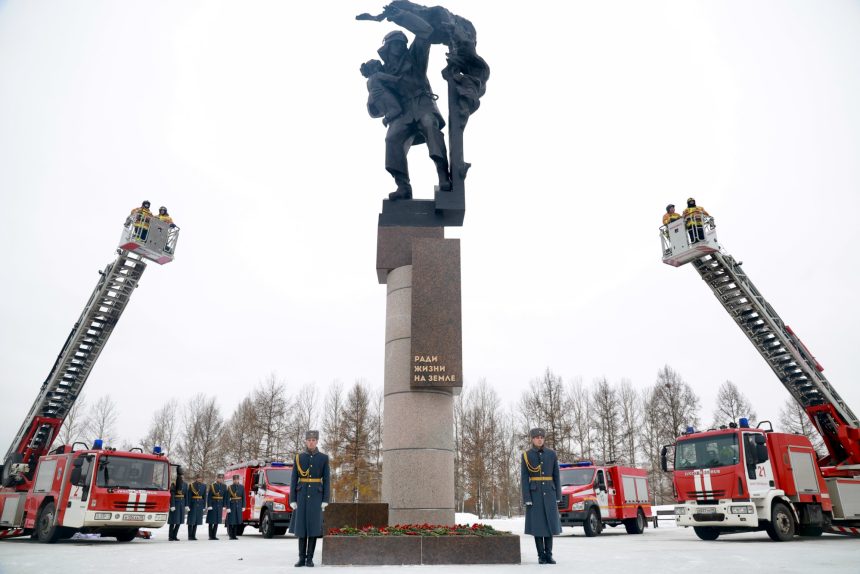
178	506
235	507
541	486
196	497
310	488
216	499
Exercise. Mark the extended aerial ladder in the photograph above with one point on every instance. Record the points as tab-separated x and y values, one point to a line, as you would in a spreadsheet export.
145	238
785	353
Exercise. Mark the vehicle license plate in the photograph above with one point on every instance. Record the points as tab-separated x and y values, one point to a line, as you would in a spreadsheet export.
132	517
708	510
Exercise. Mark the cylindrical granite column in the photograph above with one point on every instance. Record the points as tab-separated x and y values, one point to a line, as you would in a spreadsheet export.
418	431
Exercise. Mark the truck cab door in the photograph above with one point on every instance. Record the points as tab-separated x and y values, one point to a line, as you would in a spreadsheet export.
601	492
80	483
258	494
757	467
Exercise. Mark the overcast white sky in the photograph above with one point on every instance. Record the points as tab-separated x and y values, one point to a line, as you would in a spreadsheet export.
247	119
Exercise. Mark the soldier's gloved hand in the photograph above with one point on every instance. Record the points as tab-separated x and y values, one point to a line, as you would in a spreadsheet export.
208	508
293	505
243	510
172	508
187	509
528	503
228	511
324	504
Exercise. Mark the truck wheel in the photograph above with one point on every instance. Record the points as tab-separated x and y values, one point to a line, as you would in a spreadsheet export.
240	530
46	530
126	535
781	525
706	532
592	523
810	531
267	527
635	525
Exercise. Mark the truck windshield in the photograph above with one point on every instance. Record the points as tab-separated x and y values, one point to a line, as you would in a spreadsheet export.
279	477
136	473
576	476
706	452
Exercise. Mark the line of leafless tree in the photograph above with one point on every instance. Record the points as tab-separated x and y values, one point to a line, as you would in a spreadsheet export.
602	421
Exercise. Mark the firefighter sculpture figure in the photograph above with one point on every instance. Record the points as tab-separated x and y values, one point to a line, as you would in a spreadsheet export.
178	501
541	486
309	495
235	507
196	503
215	503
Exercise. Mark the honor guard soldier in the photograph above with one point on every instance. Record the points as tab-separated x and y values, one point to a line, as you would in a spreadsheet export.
196	503
309	495
178	495
235	507
541	486
216	496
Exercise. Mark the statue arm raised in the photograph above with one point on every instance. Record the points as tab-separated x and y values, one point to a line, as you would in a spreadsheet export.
409	20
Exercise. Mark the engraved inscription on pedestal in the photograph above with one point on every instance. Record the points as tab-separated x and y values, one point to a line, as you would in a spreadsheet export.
437	356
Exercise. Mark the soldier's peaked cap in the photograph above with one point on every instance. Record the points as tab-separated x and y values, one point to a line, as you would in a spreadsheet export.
536	432
312	434
219	475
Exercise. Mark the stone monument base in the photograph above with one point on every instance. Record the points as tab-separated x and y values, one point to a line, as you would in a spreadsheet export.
403	550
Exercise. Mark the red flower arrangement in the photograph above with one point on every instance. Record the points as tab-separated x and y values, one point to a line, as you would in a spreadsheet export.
419	530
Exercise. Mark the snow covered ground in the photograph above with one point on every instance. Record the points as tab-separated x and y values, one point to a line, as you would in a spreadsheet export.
664	549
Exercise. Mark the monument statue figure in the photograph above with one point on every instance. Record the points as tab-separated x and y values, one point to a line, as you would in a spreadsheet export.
400	93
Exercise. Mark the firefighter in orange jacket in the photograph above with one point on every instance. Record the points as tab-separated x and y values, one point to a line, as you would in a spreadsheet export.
670	215
139	217
165	217
694	217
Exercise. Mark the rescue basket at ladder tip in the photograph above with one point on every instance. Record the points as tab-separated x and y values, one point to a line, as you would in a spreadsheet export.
151	238
687	239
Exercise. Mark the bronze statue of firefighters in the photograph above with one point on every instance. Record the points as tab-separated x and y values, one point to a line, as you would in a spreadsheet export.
400	93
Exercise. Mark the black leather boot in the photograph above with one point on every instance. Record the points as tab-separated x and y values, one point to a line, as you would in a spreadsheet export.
547	544
540	549
303	552
312	544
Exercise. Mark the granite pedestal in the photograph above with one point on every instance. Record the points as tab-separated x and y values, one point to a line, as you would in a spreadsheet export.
422	272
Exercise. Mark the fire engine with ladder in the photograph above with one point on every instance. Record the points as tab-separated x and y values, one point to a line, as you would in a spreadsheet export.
52	494
737	478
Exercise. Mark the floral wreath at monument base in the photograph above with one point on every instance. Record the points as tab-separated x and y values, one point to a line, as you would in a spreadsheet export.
419	530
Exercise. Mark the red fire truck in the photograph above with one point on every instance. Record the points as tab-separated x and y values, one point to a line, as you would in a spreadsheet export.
737	478
267	492
594	496
51	494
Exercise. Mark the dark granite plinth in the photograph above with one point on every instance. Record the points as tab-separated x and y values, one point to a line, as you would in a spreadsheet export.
394	247
470	550
367	551
399	550
422	212
437	334
356	515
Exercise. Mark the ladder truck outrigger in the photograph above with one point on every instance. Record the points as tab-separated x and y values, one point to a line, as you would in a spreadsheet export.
52	494
737	478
